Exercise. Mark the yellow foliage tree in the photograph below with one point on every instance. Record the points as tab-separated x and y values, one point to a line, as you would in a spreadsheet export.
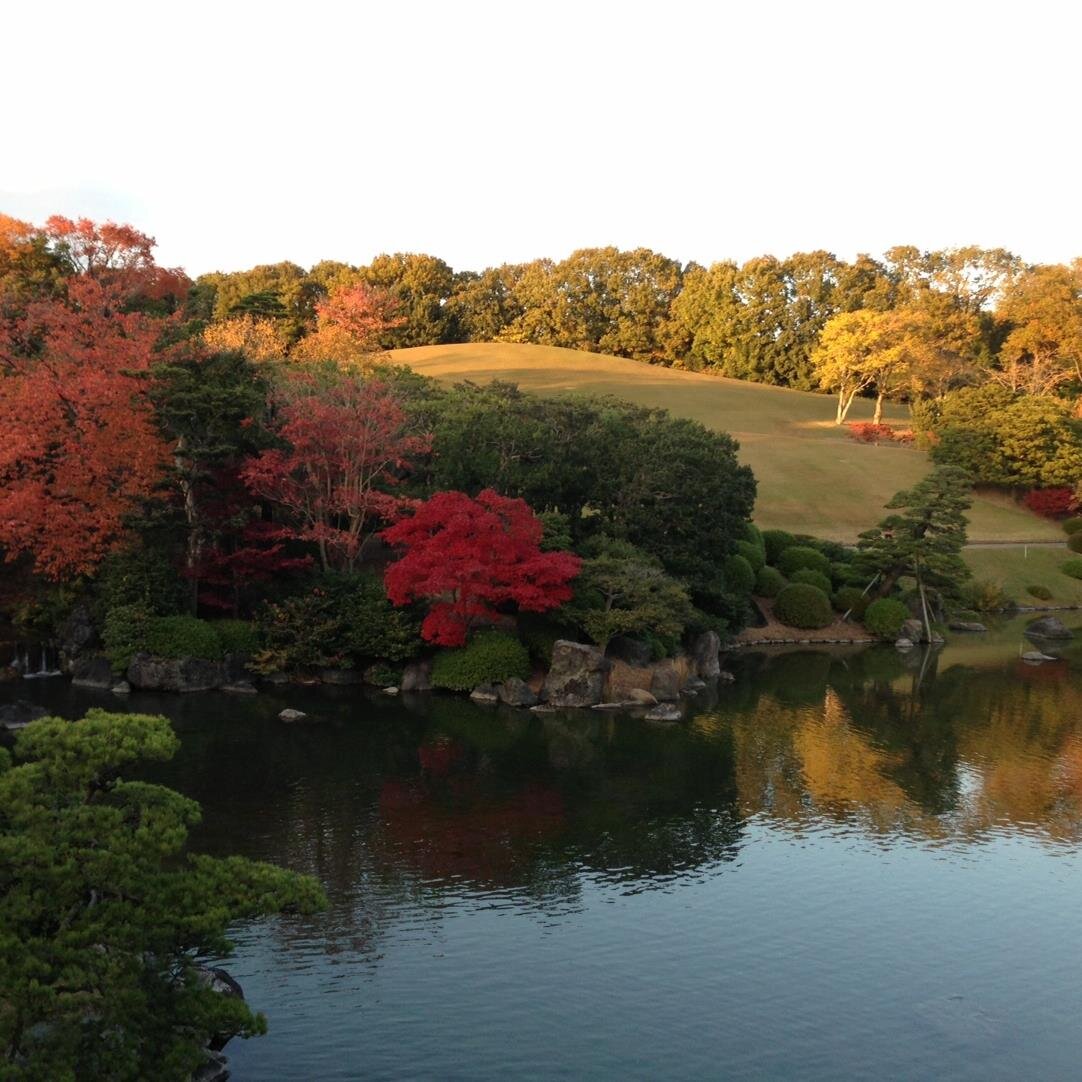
257	339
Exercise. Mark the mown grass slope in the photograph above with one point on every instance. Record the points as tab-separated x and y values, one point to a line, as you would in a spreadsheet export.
812	477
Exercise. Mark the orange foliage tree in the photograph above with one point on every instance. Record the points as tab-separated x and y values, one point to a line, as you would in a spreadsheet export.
349	324
79	449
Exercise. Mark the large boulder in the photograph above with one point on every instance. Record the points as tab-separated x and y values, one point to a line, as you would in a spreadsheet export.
93	672
576	676
19	714
341	677
485	693
151	673
75	636
966	625
641	697
670	678
516	692
914	631
417	676
1049	627
705	653
623	679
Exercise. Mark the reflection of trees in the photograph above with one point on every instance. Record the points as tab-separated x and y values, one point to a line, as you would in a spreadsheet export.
885	742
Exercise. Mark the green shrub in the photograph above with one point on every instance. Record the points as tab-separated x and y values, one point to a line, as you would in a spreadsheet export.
340	620
846	574
739	575
1074	542
985	595
124	634
803	606
238	636
1042	593
851	599
754	536
141	577
752	553
884	617
1072	525
769	582
799	557
182	636
383	676
1072	568
488	658
812	578
775	543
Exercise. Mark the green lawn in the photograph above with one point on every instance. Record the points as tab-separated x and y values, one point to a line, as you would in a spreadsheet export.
1016	568
812	477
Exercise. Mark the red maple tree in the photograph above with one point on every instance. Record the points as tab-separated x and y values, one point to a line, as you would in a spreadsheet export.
471	556
348	442
79	448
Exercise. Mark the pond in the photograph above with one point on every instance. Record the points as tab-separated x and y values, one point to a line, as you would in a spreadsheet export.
850	864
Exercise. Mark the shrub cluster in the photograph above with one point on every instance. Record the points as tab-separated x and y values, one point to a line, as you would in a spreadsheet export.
1042	593
885	616
813	578
775	542
866	432
739	574
851	599
769	582
130	629
800	557
802	606
1072	568
1050	502
1072	525
488	658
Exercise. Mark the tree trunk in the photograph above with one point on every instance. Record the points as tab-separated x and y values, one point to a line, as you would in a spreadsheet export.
877	417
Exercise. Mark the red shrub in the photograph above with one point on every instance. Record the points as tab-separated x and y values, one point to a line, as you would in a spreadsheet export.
1050	502
866	432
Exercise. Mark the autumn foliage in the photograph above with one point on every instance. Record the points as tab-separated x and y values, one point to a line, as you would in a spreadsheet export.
470	557
349	324
1051	502
347	444
79	448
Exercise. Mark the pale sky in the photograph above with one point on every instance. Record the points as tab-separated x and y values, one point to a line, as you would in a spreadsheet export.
240	133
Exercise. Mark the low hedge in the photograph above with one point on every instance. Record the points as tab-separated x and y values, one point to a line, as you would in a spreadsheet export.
1072	525
769	582
488	658
182	636
1072	568
885	616
1042	593
238	636
803	606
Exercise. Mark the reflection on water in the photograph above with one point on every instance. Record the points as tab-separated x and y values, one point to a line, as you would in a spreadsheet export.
848	864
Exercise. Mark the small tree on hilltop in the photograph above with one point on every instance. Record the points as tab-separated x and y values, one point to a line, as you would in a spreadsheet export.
926	540
471	556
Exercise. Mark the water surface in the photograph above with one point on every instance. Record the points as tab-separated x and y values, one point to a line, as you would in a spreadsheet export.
850	864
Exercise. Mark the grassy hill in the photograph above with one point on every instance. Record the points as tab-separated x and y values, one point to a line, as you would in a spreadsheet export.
812	477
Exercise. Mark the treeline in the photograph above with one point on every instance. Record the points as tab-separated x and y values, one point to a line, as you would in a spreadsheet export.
988	313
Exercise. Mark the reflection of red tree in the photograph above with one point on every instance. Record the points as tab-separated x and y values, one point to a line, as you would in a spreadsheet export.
437	759
455	831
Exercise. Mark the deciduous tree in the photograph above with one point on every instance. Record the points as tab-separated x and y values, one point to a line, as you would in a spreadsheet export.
470	558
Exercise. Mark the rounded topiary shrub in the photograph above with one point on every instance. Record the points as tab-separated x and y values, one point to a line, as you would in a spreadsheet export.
752	553
1042	593
804	606
754	536
812	578
775	542
801	557
1072	568
488	658
182	636
885	616
769	582
1074	542
1073	524
851	599
237	636
739	576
